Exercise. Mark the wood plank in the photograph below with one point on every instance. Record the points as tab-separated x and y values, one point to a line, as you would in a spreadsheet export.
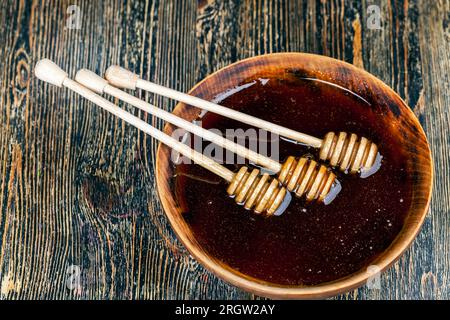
77	185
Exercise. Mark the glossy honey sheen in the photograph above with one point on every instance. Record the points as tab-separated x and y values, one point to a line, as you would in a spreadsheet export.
310	243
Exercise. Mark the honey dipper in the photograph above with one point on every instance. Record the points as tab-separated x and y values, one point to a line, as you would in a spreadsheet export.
302	176
345	150
260	193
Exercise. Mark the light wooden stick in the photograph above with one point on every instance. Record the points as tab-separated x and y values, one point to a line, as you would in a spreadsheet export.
123	78
345	150
257	192
314	185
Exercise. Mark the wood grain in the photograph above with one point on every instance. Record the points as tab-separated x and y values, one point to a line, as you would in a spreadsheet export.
77	185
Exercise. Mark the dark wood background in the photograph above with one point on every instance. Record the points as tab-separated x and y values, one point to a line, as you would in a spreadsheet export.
77	186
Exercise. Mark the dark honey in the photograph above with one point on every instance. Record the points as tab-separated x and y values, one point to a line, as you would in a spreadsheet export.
310	243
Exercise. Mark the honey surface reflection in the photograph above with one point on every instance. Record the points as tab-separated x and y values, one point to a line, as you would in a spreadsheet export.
310	243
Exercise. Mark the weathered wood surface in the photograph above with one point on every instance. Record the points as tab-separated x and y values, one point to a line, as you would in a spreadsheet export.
77	185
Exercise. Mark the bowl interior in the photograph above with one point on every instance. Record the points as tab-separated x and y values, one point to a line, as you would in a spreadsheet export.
380	96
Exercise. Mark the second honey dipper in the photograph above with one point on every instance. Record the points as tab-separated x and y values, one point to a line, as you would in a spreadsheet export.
344	150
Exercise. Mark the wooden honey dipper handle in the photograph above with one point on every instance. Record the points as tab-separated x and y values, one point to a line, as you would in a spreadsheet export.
123	78
260	196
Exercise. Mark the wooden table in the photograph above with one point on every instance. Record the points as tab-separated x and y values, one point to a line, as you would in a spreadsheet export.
77	190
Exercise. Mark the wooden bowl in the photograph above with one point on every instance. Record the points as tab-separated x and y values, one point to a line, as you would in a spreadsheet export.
362	83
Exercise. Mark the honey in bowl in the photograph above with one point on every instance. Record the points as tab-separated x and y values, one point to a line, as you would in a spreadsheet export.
309	243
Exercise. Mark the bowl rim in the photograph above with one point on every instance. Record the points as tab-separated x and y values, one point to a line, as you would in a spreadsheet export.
327	289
